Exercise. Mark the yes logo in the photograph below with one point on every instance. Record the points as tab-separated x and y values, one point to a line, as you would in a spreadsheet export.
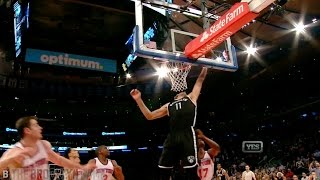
252	146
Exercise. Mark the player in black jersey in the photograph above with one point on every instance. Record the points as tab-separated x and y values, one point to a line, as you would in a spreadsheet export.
221	174
180	146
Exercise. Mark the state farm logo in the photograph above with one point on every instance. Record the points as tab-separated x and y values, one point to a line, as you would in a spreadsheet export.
205	36
223	21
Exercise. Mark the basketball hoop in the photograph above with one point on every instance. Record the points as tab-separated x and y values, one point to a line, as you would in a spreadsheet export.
178	72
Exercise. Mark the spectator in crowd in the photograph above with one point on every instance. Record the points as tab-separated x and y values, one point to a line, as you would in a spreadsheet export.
315	167
248	174
313	176
221	174
304	176
289	174
295	177
280	176
71	174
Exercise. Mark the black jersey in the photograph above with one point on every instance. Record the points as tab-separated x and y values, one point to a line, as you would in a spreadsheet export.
220	173
182	114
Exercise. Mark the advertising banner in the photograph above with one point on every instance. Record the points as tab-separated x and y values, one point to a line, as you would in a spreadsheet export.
70	60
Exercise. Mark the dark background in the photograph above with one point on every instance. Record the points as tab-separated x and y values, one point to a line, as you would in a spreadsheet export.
273	97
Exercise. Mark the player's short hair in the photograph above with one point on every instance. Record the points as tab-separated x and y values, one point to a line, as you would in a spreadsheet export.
99	148
24	122
67	152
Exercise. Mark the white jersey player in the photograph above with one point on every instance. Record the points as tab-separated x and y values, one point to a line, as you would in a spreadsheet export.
28	159
206	166
102	171
106	169
73	174
35	167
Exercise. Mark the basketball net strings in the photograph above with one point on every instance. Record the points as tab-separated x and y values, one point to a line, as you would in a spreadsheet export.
178	73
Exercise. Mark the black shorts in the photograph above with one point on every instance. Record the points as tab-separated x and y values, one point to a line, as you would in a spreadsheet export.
180	148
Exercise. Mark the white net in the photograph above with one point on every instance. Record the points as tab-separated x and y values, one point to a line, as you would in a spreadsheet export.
178	72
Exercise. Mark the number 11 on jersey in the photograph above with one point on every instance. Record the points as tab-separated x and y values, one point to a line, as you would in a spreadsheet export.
178	105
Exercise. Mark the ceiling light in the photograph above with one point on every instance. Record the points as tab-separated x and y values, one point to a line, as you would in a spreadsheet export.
251	50
128	75
162	72
314	20
299	27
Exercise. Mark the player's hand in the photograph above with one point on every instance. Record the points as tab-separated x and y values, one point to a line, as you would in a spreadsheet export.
199	134
117	169
135	93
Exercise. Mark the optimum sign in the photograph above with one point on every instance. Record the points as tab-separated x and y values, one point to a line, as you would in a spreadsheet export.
252	146
70	60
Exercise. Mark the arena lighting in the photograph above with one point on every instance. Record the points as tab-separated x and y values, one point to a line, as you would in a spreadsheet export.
162	71
112	133
6	146
126	150
62	148
128	75
117	147
299	27
143	148
74	134
304	115
251	50
11	130
121	147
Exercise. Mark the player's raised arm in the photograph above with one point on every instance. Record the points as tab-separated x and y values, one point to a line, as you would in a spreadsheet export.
150	115
198	85
62	161
214	147
118	174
